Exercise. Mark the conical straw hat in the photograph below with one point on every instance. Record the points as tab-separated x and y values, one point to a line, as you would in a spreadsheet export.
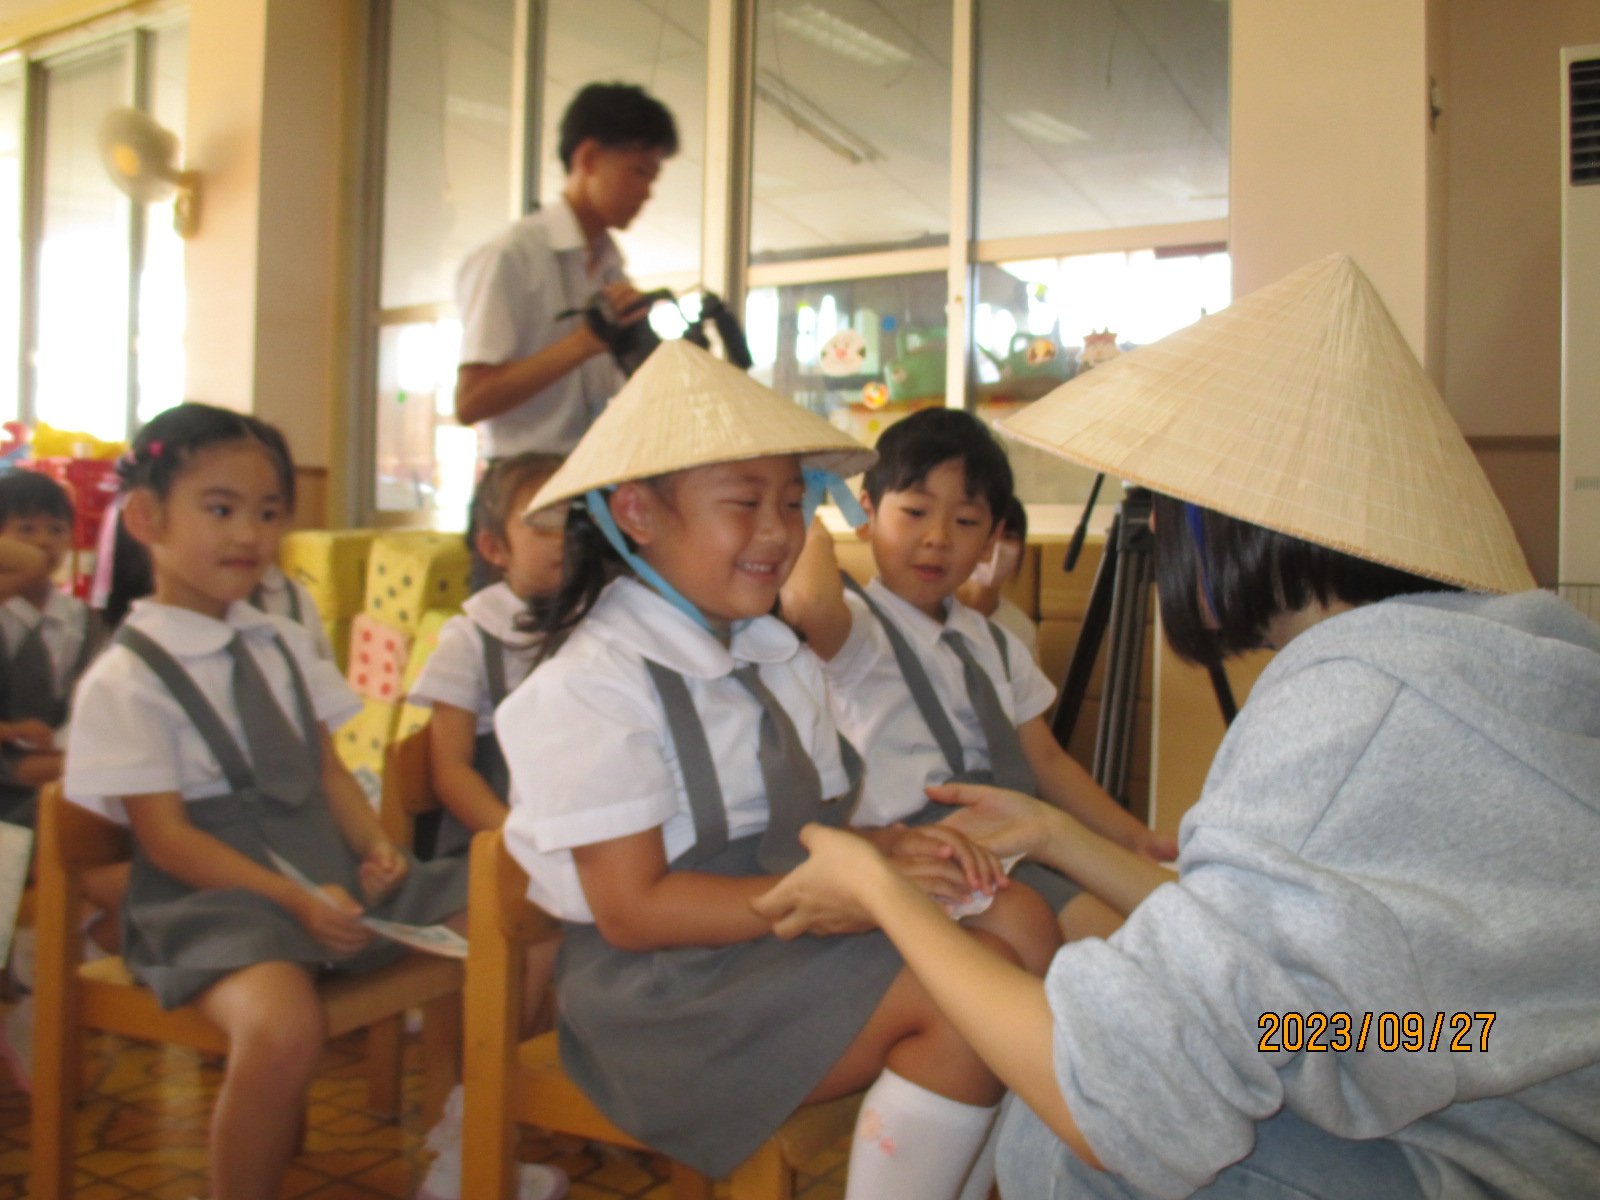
687	408
1302	409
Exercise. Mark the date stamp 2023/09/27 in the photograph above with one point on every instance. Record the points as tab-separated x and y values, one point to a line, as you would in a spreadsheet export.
1337	1032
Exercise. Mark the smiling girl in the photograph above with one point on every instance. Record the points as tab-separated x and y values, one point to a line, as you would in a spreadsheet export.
663	757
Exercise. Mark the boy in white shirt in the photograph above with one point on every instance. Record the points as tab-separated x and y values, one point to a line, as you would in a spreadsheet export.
924	707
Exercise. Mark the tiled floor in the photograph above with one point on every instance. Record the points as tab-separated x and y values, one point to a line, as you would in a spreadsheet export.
142	1135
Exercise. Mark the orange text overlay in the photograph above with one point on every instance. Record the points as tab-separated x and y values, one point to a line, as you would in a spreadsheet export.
1320	1032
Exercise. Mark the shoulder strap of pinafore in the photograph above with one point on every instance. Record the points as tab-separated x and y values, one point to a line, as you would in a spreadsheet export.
494	666
200	711
213	731
694	760
917	681
1000	645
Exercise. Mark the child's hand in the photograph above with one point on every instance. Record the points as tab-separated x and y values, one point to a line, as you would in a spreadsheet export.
979	866
381	870
30	734
331	915
826	893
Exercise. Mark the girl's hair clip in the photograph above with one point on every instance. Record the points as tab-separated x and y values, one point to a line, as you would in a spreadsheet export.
154	448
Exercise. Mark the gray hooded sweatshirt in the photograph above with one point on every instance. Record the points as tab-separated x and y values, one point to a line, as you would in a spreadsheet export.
1405	818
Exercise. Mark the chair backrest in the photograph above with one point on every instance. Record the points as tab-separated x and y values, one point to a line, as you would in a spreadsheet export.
73	838
502	886
407	791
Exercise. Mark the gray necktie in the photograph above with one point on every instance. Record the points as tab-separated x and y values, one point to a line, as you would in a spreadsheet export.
1006	761
31	665
284	766
794	789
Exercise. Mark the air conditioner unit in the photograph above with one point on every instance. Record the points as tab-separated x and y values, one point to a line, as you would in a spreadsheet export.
1579	562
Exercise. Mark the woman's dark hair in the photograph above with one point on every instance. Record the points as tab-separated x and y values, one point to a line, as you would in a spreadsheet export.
1252	575
588	564
616	115
158	456
170	441
909	449
25	493
491	503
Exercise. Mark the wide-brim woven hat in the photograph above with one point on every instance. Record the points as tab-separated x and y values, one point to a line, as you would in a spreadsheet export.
687	408
1300	408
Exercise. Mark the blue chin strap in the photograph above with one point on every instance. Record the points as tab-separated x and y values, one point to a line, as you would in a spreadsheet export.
820	486
600	511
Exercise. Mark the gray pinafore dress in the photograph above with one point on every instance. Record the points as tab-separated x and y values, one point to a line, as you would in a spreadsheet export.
450	837
27	692
702	1052
1008	766
179	940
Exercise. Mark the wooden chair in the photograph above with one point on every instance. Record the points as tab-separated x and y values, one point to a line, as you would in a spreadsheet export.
511	1082
72	997
407	791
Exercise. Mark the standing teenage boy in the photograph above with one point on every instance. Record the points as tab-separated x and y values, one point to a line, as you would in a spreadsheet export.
529	378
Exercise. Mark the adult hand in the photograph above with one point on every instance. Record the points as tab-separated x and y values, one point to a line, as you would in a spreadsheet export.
825	894
1006	822
331	915
1157	846
381	870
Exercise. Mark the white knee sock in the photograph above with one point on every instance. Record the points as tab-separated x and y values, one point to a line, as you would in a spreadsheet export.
980	1180
913	1142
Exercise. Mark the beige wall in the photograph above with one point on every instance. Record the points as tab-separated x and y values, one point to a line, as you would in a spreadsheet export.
271	114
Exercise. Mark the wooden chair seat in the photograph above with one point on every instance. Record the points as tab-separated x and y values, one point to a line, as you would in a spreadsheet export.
73	998
511	1082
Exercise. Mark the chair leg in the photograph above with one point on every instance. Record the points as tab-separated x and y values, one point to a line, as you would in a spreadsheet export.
441	1054
385	1043
763	1176
689	1184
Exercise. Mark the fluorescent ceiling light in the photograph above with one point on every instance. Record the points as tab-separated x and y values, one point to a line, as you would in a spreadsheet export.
821	27
1045	127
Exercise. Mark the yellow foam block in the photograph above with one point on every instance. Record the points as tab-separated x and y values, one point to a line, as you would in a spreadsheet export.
363	739
412	572
331	565
339	638
424	644
412	718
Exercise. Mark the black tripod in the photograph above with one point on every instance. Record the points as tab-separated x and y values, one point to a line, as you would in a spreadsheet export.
1119	602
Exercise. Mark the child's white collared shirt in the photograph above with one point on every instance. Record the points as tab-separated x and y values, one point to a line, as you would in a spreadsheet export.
132	738
875	711
455	673
590	752
275	591
62	622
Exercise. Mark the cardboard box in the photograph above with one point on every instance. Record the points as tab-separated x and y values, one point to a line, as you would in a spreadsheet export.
331	565
377	659
412	572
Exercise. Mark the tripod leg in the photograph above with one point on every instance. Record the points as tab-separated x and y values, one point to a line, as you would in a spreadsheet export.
1095	617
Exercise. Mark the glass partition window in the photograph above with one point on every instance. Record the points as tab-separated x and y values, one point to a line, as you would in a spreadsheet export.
448	154
661	46
1039	322
80	357
1099	114
11	156
163	300
851	127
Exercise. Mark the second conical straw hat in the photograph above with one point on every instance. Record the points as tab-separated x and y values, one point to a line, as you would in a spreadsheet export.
687	408
1300	408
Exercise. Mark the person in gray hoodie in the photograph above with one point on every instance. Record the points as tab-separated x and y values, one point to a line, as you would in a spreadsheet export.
1374	974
